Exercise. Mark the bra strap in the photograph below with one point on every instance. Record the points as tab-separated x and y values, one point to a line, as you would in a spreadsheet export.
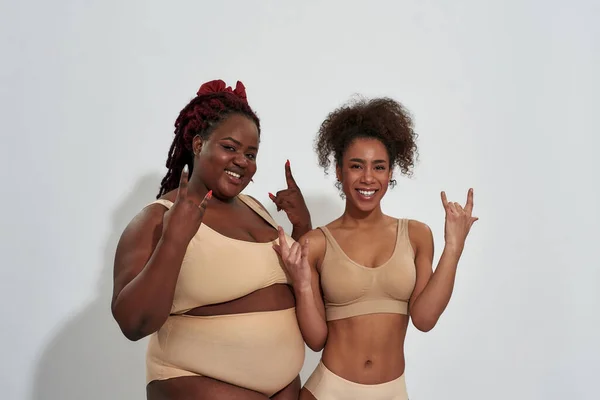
257	208
168	204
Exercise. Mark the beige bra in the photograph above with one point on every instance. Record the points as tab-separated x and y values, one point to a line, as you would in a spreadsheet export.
351	289
217	269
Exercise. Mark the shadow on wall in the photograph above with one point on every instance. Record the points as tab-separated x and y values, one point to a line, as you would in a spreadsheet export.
89	358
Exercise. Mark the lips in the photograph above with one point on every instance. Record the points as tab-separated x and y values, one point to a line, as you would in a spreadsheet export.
366	193
234	177
234	174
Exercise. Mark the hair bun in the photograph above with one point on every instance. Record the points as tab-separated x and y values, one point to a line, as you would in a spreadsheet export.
219	86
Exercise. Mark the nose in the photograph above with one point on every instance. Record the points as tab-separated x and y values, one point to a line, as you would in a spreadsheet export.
241	161
367	176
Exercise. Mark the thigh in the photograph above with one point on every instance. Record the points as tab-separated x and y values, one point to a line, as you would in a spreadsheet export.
198	388
290	392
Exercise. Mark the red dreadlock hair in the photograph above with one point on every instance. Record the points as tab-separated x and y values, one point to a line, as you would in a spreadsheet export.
214	103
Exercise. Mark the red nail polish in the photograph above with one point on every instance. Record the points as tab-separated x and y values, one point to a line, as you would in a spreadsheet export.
287	163
209	195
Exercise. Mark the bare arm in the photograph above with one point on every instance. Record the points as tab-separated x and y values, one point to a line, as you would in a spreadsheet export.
301	260
148	261
433	289
292	202
298	230
146	269
310	309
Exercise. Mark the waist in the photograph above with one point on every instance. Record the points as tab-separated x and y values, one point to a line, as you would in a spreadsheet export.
271	298
262	351
367	349
228	328
365	307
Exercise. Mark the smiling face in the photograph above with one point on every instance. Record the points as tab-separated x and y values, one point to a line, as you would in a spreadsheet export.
365	173
226	161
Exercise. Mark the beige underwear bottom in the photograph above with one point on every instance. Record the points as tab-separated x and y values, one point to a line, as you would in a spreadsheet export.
325	385
260	351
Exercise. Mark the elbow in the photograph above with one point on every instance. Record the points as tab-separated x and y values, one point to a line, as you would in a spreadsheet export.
317	342
316	346
425	327
132	334
424	323
133	327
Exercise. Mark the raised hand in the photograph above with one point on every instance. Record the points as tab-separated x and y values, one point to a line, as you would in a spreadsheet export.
183	219
458	220
295	260
291	201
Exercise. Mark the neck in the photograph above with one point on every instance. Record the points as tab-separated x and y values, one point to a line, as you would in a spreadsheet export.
354	216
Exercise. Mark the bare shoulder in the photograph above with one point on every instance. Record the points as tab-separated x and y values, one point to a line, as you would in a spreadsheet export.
315	237
149	217
418	228
317	244
420	234
136	244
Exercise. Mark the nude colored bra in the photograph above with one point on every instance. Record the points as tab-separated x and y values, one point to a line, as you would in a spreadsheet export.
260	351
217	268
351	289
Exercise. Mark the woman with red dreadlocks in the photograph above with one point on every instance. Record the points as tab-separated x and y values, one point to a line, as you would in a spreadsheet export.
196	272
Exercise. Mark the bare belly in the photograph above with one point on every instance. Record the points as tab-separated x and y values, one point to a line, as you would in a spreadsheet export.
272	298
367	349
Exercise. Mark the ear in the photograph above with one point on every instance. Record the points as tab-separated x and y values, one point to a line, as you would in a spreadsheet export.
338	172
197	143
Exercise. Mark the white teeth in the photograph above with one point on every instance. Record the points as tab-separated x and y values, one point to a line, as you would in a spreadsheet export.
233	174
367	193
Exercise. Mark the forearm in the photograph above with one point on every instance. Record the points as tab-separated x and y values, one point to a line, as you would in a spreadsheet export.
144	304
311	317
434	299
300	230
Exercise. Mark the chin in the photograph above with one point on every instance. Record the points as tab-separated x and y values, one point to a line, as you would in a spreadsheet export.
230	191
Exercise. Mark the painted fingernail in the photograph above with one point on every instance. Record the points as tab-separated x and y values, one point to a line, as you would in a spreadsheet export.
271	196
287	163
209	194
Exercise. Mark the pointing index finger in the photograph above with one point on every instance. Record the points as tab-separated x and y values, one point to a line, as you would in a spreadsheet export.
291	183
469	205
444	200
183	183
282	242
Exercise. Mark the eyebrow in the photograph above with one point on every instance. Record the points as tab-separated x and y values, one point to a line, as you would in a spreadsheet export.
239	143
360	160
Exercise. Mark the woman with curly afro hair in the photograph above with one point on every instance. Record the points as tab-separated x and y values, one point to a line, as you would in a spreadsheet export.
359	279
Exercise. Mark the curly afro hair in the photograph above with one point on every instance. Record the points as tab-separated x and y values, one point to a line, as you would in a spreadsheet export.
383	119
